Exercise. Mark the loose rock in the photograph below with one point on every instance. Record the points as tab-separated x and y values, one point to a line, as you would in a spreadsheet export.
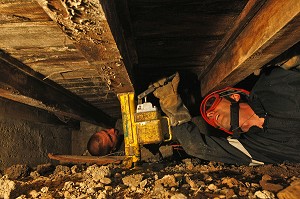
188	178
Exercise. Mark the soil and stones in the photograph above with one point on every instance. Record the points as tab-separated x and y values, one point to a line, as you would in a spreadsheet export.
175	179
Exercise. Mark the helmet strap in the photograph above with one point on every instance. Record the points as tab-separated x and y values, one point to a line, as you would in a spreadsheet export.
234	119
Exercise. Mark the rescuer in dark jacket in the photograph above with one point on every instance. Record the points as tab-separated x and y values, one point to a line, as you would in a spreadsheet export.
263	126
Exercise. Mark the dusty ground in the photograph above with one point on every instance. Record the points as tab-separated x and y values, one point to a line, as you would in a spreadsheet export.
168	178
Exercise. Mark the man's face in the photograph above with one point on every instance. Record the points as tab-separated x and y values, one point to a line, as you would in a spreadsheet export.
221	114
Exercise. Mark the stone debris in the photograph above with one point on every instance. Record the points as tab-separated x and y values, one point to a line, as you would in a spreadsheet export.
291	192
264	194
265	184
167	181
180	179
17	171
132	180
6	187
45	168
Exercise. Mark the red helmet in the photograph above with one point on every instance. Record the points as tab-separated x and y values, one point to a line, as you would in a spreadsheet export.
211	101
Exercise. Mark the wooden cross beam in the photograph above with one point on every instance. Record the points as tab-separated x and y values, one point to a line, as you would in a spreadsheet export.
273	29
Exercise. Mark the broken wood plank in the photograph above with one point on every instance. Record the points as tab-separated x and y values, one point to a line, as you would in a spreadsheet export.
99	160
22	84
274	29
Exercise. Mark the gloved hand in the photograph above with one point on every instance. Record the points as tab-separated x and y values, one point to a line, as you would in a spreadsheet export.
170	102
293	62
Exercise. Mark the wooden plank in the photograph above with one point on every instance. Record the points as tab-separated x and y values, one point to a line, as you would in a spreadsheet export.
66	73
20	111
66	54
99	160
198	27
58	63
245	16
81	82
275	28
210	6
103	97
48	46
21	11
119	20
184	18
49	60
88	90
20	83
31	34
184	62
177	46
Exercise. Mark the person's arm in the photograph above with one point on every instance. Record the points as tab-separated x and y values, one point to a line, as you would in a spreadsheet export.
206	147
293	62
290	59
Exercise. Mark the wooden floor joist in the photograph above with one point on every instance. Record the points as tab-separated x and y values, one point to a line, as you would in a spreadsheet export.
274	29
92	36
20	83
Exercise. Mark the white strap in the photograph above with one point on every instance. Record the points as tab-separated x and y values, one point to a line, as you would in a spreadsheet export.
236	143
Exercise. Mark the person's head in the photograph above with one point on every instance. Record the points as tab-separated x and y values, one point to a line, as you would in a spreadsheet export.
221	108
103	142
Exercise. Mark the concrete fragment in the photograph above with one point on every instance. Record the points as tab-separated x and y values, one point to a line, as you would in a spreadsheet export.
6	187
191	183
34	194
291	192
167	181
230	182
105	180
188	163
43	169
266	185
264	194
61	170
178	196
132	180
17	171
212	187
97	173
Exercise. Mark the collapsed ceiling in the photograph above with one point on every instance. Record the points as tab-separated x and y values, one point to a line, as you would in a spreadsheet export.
72	57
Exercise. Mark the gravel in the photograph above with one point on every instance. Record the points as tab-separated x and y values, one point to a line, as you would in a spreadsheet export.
180	179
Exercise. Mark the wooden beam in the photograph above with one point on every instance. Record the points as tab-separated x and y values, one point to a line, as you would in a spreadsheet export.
99	160
251	8
20	83
86	25
274	28
118	18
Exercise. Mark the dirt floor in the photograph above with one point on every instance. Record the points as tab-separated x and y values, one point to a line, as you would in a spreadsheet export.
167	178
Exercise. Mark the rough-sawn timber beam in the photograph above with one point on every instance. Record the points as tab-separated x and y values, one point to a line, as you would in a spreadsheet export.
274	29
85	23
20	83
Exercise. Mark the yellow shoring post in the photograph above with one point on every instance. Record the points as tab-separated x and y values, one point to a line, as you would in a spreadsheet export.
132	148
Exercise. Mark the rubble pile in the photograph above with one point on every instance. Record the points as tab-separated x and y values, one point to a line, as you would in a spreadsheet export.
188	178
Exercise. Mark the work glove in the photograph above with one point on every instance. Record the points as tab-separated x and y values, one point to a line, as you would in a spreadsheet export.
170	102
293	62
